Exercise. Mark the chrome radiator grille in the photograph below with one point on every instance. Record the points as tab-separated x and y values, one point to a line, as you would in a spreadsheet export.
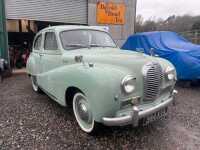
153	75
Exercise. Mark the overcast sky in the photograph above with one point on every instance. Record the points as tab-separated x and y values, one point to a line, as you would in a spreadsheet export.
163	8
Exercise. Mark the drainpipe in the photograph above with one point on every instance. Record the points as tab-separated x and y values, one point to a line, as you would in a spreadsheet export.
135	4
3	33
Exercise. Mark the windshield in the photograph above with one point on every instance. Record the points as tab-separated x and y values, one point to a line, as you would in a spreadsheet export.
76	39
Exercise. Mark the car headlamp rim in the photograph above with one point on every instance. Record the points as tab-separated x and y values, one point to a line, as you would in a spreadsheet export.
169	70
124	82
127	78
170	76
170	73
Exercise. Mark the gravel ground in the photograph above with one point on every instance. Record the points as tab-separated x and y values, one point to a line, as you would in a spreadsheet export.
33	121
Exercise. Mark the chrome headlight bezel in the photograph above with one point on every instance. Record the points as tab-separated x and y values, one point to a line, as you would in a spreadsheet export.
128	84
170	73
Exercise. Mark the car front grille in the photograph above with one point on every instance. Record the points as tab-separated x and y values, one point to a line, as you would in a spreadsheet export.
153	75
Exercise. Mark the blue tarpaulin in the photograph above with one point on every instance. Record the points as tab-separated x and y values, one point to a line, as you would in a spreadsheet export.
184	55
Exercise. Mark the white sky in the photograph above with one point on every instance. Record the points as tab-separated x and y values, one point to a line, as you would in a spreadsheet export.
163	8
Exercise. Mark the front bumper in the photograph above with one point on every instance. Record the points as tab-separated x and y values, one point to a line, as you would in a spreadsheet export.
137	114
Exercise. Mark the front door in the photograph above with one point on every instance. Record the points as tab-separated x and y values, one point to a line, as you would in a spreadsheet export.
37	53
51	60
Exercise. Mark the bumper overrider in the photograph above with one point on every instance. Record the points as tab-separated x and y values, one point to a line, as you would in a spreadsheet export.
137	114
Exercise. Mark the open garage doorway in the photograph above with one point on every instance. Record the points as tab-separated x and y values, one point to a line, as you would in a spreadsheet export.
20	37
21	34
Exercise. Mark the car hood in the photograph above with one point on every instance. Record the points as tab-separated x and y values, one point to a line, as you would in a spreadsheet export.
111	56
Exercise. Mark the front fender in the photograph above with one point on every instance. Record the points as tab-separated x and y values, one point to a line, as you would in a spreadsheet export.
100	83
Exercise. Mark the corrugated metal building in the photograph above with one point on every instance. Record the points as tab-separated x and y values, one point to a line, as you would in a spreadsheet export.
119	32
71	12
66	11
26	17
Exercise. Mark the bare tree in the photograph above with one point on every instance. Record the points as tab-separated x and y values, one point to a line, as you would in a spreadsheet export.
172	23
139	23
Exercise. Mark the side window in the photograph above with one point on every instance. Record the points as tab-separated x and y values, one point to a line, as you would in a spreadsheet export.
38	42
50	42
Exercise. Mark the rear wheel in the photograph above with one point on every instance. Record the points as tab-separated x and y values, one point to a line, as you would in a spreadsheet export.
83	113
35	84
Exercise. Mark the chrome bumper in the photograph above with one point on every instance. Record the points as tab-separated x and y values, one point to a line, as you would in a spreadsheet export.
136	114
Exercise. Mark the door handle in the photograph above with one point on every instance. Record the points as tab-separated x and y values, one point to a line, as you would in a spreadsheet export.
41	55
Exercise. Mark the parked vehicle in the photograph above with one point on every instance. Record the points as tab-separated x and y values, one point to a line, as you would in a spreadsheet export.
81	67
184	55
3	68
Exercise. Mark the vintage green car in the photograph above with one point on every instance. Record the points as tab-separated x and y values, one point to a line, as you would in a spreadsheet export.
81	67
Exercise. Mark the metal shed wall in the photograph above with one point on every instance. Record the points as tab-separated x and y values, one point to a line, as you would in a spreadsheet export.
66	11
3	33
119	32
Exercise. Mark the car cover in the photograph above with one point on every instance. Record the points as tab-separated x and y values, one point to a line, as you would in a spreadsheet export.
184	55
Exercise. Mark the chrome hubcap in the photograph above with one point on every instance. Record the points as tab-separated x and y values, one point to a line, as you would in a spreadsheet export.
83	112
82	109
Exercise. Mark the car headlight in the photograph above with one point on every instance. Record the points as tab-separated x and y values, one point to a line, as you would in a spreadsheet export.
170	73
128	84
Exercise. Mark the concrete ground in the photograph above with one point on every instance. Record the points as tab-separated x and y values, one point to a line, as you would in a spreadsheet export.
33	121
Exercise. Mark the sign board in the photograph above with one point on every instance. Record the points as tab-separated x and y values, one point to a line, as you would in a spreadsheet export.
111	13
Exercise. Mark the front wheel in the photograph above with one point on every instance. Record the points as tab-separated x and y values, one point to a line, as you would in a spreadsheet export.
83	113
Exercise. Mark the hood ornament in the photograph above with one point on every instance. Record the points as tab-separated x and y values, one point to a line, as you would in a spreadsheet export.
152	52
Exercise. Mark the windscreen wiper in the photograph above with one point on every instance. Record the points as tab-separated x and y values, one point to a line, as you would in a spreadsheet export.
97	45
77	45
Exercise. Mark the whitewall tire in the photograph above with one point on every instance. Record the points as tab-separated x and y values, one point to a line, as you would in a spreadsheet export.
35	84
83	113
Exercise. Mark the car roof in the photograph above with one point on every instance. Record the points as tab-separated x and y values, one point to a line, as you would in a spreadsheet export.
60	28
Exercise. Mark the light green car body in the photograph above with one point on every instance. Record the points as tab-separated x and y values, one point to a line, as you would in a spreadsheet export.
98	76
